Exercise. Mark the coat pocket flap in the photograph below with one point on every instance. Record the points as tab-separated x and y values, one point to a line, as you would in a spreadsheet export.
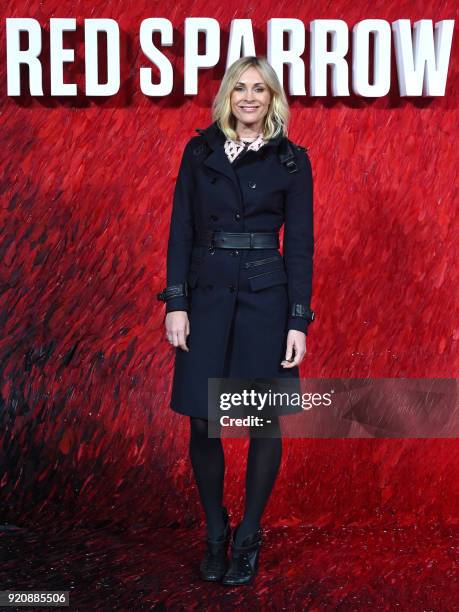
267	279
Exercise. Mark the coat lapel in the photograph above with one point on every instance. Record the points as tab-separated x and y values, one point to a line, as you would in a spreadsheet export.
217	160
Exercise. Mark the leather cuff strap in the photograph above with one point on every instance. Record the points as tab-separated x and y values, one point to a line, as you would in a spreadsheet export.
302	311
173	291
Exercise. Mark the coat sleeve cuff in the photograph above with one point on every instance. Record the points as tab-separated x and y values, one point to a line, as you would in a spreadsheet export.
177	303
299	324
301	316
175	296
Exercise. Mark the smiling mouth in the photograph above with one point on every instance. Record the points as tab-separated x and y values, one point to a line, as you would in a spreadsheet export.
248	107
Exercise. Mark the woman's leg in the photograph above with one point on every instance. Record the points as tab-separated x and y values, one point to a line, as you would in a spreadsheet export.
208	461
263	462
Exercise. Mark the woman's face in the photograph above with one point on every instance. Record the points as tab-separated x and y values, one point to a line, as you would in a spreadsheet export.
250	98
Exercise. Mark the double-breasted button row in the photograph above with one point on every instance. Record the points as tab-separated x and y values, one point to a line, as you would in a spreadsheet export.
237	216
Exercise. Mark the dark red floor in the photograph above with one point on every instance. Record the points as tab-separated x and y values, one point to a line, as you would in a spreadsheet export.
412	568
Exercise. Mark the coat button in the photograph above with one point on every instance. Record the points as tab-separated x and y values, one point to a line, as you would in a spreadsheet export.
199	149
214	217
232	288
252	184
210	286
236	252
213	179
237	216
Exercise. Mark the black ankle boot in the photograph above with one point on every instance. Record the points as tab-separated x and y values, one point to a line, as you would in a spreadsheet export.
215	561
244	559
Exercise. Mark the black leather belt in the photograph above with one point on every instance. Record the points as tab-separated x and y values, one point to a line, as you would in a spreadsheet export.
218	239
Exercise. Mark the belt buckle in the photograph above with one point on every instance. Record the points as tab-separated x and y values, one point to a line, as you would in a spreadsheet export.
251	240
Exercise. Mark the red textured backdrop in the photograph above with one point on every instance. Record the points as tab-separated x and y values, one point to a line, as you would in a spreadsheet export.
86	191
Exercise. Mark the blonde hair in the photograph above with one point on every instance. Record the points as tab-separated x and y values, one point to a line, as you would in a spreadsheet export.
277	117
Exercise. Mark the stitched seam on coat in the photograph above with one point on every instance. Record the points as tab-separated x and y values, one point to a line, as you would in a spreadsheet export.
249	264
265	273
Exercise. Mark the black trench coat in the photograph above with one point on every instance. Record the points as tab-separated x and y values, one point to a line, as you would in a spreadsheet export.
240	301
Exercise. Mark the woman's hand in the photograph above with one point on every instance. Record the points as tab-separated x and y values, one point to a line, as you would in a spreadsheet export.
178	328
296	341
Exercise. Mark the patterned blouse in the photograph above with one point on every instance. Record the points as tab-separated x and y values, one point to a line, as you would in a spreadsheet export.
234	147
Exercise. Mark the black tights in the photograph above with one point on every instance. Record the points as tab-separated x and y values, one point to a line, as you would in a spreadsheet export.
208	461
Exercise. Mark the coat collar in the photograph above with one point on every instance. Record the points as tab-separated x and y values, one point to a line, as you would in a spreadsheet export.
217	159
215	137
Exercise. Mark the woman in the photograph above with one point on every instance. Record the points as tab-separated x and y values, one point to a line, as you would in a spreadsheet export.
235	307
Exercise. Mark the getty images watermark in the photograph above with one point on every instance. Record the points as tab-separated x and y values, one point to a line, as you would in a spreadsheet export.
333	407
273	399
